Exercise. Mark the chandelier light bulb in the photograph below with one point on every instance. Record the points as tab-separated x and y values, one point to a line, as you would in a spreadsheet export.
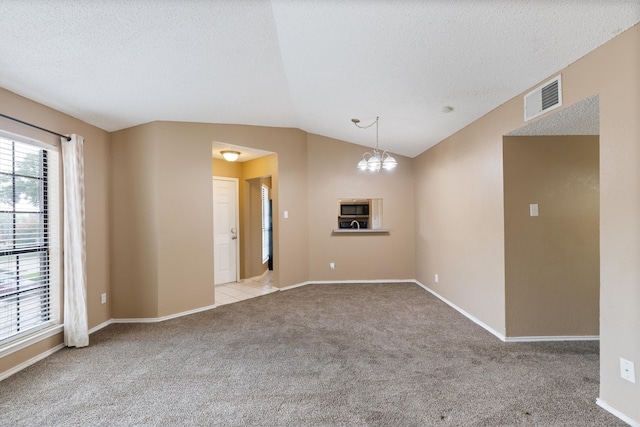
389	163
374	162
362	164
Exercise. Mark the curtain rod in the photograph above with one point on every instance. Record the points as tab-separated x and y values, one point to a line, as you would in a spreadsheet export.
68	138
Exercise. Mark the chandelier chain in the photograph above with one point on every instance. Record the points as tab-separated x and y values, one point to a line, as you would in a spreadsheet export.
375	122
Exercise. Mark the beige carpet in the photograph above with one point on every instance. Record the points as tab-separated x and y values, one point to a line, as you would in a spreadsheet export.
320	355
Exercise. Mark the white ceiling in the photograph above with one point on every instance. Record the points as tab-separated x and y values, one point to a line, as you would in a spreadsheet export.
307	64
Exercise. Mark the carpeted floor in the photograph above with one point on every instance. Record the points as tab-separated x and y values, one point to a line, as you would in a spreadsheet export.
319	355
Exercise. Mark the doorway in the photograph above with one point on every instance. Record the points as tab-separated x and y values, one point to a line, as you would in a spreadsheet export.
231	228
250	277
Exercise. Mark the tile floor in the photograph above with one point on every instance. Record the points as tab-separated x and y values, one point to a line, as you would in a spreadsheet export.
229	293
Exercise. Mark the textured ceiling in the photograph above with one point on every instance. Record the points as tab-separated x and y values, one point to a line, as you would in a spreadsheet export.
581	118
312	65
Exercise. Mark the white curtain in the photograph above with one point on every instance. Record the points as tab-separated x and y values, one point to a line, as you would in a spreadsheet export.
76	331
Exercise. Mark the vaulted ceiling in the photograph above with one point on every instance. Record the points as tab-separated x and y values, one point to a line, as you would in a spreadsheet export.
307	64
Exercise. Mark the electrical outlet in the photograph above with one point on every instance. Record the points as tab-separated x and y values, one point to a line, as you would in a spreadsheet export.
332	266
103	298
627	370
435	278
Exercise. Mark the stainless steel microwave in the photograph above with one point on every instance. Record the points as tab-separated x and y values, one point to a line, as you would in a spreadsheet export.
353	208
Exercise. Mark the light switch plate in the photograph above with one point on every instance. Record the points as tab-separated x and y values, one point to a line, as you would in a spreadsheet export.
533	209
627	370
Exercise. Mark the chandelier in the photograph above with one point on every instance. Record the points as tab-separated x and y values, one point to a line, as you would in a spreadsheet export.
376	160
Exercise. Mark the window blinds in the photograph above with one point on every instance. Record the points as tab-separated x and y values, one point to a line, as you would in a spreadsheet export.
28	231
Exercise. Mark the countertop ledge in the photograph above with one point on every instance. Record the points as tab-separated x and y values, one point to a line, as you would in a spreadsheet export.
361	230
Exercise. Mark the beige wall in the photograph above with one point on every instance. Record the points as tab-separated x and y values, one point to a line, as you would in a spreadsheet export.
134	223
459	210
459	224
333	175
162	247
162	265
552	261
614	70
162	212
185	222
13	360
96	153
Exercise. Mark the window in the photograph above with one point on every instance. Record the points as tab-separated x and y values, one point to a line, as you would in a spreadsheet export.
29	237
266	224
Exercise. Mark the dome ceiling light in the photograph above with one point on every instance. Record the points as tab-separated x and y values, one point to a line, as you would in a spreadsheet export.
230	156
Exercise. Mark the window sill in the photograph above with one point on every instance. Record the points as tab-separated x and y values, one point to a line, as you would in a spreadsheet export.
23	342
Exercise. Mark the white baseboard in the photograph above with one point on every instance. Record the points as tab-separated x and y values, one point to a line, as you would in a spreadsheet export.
21	366
149	319
163	318
310	282
604	405
461	311
503	337
297	285
554	338
49	352
331	282
100	326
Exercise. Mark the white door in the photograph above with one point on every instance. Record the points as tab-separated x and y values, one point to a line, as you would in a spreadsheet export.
225	230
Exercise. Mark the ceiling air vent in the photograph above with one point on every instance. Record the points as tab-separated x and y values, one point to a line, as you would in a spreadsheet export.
542	99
